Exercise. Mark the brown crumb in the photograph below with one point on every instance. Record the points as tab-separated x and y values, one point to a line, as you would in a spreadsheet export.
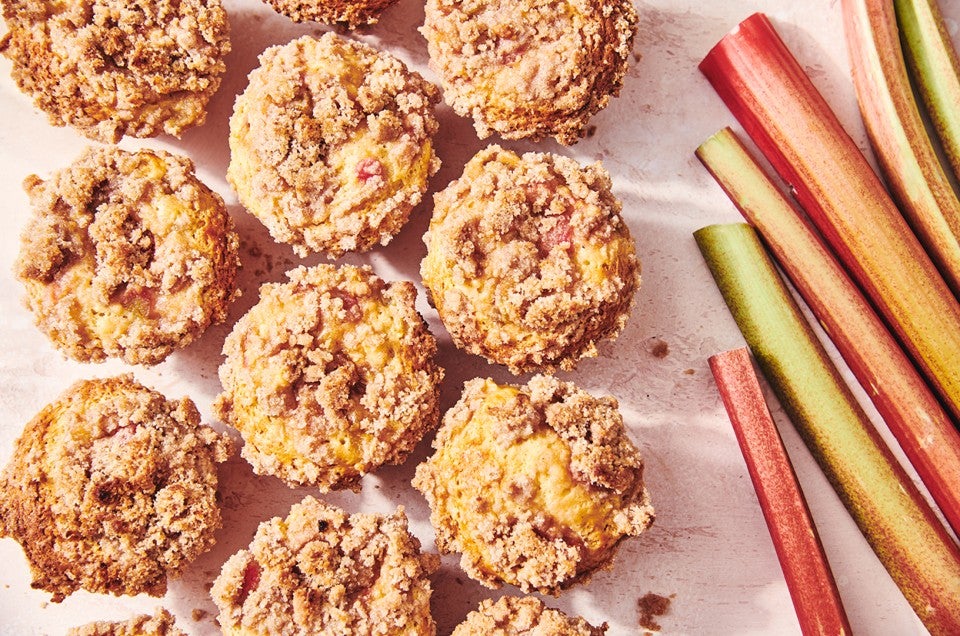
651	606
658	348
199	614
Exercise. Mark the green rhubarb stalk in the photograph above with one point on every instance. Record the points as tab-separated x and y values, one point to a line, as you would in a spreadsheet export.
767	90
895	519
898	135
802	559
933	61
915	417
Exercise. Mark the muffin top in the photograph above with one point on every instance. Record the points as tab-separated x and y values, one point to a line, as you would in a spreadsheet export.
529	262
535	485
111	68
331	144
530	68
329	376
127	255
161	623
112	488
523	616
349	13
323	571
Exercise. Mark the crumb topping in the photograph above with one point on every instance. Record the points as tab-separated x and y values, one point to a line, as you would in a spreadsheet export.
112	489
160	624
350	13
523	616
331	144
329	376
529	262
126	255
535	485
111	68
320	570
532	68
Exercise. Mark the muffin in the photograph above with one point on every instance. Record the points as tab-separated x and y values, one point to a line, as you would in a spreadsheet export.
329	376
111	68
160	624
531	68
350	13
127	255
523	616
529	262
331	144
535	485
112	489
323	571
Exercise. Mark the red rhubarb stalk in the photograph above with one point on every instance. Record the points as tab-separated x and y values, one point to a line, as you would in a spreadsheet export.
769	93
898	135
896	520
915	417
930	54
805	568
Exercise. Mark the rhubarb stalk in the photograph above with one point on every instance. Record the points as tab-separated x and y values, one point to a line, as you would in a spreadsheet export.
915	417
898	134
766	89
892	514
933	60
805	568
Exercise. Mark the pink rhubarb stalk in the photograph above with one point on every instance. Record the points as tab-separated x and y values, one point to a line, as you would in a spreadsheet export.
898	135
915	417
805	568
767	90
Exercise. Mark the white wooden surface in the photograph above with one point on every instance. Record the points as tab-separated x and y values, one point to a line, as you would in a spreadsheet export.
709	550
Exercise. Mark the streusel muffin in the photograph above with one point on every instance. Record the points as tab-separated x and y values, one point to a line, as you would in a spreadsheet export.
329	376
331	144
323	571
160	624
523	616
535	485
530	68
127	255
350	13
529	262
112	489
111	68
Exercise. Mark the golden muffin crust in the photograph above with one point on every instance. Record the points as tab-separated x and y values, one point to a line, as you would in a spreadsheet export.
531	68
350	13
529	262
329	376
127	255
535	485
322	571
331	144
112	489
160	624
523	616
111	68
